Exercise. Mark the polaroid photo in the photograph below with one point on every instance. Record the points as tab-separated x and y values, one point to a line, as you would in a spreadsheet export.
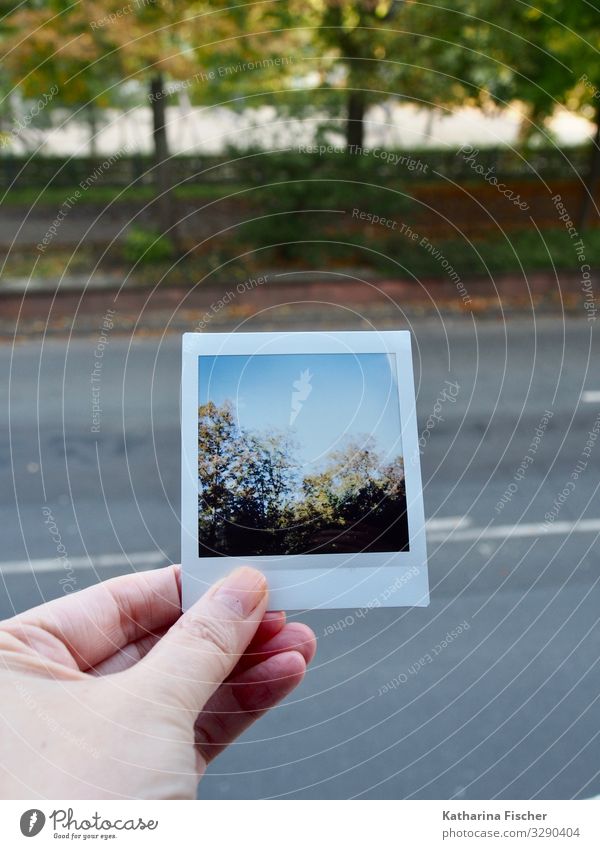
300	457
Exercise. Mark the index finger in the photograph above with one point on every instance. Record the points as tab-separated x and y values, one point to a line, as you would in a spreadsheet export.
96	622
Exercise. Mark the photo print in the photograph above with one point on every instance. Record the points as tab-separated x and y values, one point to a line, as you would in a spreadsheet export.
300	457
300	454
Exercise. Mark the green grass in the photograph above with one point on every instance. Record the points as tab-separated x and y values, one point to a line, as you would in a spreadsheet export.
101	195
398	257
518	251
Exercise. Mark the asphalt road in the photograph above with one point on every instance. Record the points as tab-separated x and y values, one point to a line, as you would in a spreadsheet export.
509	709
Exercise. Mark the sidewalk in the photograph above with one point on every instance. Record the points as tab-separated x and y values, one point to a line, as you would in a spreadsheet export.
275	299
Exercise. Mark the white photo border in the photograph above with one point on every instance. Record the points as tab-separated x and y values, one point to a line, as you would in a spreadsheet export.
296	582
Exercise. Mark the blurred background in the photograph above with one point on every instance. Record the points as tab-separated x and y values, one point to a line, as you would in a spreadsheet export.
324	164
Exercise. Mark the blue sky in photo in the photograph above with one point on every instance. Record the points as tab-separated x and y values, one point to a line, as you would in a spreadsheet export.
320	399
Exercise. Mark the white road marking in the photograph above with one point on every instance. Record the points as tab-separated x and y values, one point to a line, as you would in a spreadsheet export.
435	533
445	523
591	396
94	561
537	529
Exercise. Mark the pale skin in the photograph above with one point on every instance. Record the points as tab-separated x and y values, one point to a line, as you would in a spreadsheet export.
113	693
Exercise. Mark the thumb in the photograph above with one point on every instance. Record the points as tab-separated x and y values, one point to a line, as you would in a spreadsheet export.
201	649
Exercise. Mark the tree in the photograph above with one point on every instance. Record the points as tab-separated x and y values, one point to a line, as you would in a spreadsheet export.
573	37
371	51
246	480
218	442
88	49
543	55
252	500
357	502
47	49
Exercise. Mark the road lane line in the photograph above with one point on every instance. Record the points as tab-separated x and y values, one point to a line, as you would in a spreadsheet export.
444	523
537	529
94	561
434	534
591	396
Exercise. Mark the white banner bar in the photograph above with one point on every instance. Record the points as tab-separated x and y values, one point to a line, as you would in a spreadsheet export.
298	824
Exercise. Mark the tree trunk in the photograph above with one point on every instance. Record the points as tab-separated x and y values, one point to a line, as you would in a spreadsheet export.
526	127
591	180
93	125
162	166
355	125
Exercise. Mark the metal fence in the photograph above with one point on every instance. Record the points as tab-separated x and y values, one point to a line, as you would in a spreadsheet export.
252	167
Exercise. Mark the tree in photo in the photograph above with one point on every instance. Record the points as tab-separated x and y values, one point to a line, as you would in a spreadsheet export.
253	499
357	502
246	483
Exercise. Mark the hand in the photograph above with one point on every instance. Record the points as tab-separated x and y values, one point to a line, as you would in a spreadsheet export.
113	693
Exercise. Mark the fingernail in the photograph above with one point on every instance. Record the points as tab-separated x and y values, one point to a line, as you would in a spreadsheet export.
242	591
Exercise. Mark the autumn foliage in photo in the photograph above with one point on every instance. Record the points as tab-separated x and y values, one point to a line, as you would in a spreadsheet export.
255	500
